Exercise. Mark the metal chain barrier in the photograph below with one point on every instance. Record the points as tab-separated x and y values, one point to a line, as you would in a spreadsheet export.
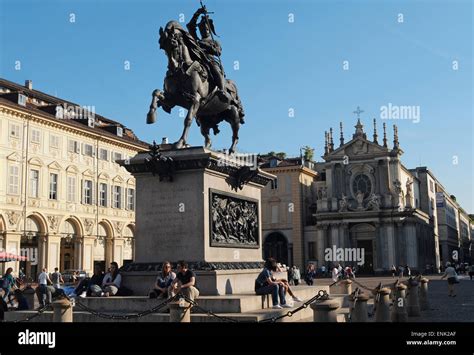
320	296
38	313
127	316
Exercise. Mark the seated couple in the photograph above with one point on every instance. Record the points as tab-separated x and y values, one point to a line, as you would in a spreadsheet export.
266	284
169	284
99	284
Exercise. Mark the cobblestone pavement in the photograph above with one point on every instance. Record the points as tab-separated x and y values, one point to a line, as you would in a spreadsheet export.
443	307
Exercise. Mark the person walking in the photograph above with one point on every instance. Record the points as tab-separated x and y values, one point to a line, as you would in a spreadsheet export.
56	278
296	275
335	274
471	271
45	295
451	275
394	270
310	274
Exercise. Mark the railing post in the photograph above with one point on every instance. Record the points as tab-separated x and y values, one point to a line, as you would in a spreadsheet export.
359	312
345	286
413	303
382	313
399	312
424	303
325	311
180	312
62	311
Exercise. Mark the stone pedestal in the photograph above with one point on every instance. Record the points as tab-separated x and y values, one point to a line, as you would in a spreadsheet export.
62	311
359	311
325	311
399	311
413	303
424	304
345	287
180	313
382	313
200	206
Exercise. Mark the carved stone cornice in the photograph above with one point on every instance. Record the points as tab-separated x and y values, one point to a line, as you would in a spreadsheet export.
166	163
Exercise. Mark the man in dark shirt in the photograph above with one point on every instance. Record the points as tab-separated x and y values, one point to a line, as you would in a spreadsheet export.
185	282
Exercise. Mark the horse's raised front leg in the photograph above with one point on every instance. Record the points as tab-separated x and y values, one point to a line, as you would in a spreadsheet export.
155	98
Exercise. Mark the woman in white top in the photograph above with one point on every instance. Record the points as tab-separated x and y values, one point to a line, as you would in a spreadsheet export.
112	281
450	273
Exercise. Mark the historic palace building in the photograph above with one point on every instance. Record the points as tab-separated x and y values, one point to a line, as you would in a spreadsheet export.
362	197
64	201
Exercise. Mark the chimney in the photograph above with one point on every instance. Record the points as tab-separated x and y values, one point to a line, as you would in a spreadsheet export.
29	84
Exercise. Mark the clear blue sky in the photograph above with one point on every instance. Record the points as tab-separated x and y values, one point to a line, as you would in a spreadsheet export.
283	65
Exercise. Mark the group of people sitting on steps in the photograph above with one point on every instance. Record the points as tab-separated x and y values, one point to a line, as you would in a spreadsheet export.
168	284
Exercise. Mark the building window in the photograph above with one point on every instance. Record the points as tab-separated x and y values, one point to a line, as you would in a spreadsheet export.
71	189
274	184
34	183
103	154
35	136
15	130
362	183
13	177
88	192
117	197
88	150
103	195
131	199
432	203
53	186
275	214
73	146
312	250
117	156
431	186
54	141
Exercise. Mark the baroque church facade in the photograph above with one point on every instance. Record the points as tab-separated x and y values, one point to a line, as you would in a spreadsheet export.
367	199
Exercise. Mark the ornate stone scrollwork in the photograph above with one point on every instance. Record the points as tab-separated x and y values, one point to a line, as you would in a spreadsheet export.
160	165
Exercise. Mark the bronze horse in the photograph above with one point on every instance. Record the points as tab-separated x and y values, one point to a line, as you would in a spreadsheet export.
188	84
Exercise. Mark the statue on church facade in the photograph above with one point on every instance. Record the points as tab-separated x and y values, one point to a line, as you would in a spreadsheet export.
195	80
374	202
398	193
343	203
409	194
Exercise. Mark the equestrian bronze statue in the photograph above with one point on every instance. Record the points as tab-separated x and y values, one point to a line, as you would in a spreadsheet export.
195	80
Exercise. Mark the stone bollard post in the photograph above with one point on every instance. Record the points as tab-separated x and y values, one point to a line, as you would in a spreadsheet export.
180	312
325	311
345	287
424	303
359	312
62	311
29	294
399	312
382	313
413	303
